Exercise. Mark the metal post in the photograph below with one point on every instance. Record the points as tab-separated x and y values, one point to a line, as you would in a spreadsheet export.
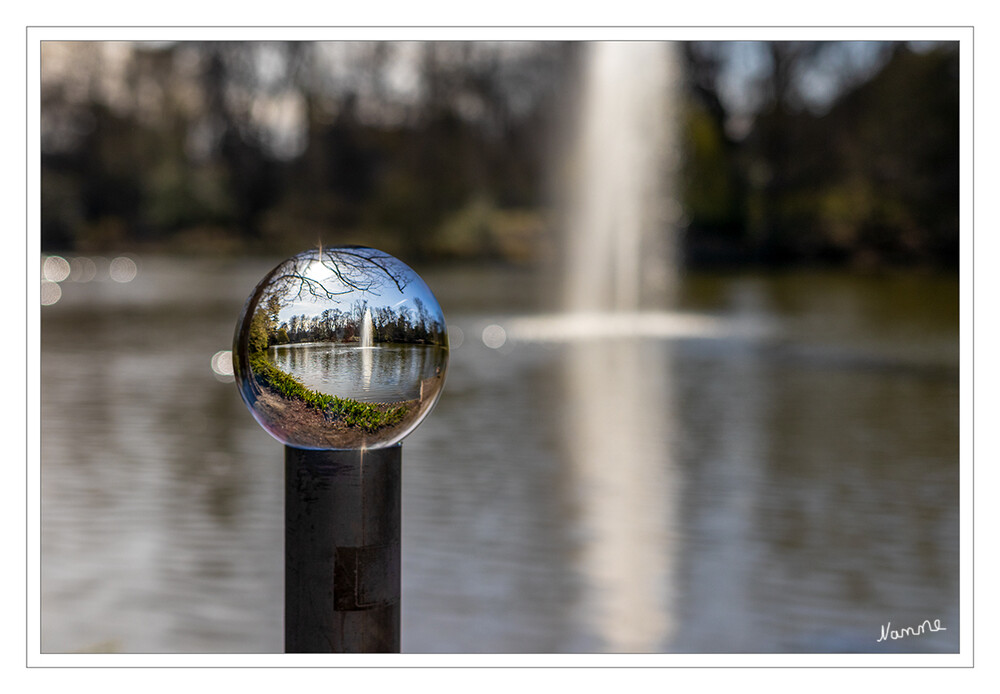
342	570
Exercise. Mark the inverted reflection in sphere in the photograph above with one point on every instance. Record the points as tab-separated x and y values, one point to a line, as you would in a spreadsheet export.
341	348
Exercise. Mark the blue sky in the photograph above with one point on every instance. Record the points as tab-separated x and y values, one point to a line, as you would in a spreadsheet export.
387	295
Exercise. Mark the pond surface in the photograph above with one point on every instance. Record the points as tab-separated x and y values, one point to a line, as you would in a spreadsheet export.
383	373
793	491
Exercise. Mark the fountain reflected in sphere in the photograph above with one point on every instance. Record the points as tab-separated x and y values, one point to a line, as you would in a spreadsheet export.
340	348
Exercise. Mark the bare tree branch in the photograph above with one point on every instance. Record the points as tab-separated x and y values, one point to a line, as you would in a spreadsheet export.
352	270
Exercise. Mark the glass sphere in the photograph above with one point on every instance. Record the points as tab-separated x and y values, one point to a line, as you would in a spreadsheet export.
340	348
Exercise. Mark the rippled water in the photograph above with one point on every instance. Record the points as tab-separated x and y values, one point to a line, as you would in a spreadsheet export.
382	373
786	492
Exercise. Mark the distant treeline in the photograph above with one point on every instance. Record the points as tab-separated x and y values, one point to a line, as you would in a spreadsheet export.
402	324
444	150
411	326
874	179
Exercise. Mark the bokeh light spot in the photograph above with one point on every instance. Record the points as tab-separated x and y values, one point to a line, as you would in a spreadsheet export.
494	336
222	365
55	269
123	269
51	292
82	269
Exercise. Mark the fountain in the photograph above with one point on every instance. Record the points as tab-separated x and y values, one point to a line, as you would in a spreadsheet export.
366	329
619	280
617	322
621	179
622	212
366	350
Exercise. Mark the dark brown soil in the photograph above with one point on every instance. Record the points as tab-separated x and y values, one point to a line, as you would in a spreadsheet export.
305	427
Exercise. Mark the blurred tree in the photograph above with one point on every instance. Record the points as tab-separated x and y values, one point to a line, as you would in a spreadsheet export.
894	148
843	150
712	189
858	161
876	177
227	82
777	155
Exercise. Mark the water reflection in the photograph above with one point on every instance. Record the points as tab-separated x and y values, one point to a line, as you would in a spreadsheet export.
801	493
382	373
617	386
626	487
808	512
725	404
159	515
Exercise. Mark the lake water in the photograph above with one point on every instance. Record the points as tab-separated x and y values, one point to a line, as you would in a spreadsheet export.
790	489
382	373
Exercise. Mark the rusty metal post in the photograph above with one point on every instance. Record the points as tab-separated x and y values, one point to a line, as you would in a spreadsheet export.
342	550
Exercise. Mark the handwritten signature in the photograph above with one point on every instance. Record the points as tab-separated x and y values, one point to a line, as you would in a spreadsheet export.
925	626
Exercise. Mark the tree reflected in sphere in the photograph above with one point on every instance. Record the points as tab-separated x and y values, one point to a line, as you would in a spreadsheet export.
340	348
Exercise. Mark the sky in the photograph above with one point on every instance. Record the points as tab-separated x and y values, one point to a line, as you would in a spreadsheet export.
387	295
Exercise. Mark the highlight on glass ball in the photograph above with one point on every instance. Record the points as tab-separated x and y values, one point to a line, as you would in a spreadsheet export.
341	348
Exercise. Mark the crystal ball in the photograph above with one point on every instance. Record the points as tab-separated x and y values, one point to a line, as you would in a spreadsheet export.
340	348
